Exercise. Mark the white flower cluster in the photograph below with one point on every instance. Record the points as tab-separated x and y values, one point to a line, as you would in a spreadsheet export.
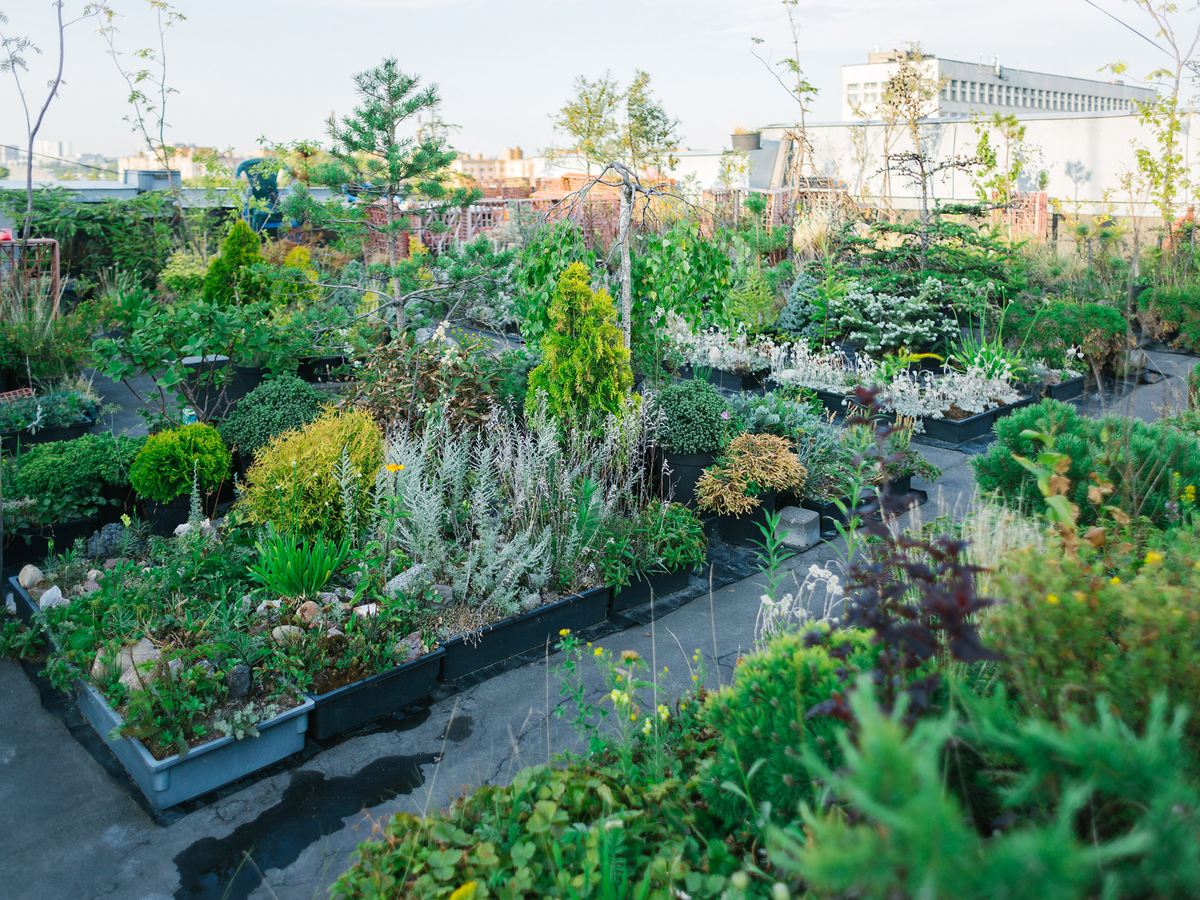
910	393
792	611
716	348
881	321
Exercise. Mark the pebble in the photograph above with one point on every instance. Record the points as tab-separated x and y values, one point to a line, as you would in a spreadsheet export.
308	612
90	586
410	647
407	581
366	610
94	575
445	594
281	633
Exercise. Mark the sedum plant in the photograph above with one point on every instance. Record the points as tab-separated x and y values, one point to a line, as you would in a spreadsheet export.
172	461
585	373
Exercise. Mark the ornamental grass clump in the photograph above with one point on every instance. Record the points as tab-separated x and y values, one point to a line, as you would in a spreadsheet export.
754	464
320	479
172	461
585	374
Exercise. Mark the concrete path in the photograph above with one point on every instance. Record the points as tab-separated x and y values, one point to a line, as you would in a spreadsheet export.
72	830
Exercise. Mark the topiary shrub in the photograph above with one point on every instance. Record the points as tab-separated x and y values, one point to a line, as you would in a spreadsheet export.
585	373
294	482
763	726
170	461
1144	463
802	308
276	406
696	419
231	277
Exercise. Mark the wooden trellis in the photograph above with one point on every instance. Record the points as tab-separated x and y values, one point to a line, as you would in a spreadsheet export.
23	263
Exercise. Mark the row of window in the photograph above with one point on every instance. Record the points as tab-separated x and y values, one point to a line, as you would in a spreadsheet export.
986	94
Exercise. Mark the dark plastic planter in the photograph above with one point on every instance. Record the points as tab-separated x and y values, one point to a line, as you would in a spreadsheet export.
207	766
1066	390
643	587
962	430
836	403
164	518
211	392
355	704
731	381
523	633
15	441
27	607
745	529
686	469
319	369
244	380
747	142
32	545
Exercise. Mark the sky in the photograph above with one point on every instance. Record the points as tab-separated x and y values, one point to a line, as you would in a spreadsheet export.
249	69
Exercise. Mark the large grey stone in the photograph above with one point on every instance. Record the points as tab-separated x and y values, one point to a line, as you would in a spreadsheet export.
281	633
408	581
52	597
801	527
238	681
30	575
132	664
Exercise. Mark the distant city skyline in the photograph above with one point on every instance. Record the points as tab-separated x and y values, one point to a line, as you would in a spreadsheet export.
277	68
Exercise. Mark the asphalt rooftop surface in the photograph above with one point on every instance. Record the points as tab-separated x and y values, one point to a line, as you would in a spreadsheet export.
74	831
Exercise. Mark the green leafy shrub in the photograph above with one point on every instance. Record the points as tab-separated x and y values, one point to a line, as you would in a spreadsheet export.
272	408
231	277
585	374
763	725
296	481
544	259
184	274
1072	633
1143	462
513	368
1047	330
170	462
683	271
660	538
65	479
697	419
752	302
1177	310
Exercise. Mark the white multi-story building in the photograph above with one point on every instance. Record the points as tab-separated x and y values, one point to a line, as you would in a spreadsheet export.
970	88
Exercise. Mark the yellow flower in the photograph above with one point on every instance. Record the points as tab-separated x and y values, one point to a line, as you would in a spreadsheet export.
563	632
1051	599
1189	493
397	467
1114	580
599	651
647	726
1153	557
466	892
663	712
665	670
125	520
630	656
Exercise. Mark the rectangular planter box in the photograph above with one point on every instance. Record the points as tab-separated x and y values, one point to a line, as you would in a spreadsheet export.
731	381
1066	390
642	587
836	403
207	766
12	441
355	704
520	634
962	430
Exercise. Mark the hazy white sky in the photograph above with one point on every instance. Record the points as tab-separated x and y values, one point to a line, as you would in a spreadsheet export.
276	68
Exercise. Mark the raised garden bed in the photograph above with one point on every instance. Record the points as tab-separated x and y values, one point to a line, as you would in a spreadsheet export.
1065	390
960	431
358	703
522	633
32	545
206	766
644	587
14	441
731	381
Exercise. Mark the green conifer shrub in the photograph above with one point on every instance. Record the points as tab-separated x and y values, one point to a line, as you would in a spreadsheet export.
763	725
275	406
1145	463
696	419
803	306
170	461
295	483
1049	330
585	374
231	277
